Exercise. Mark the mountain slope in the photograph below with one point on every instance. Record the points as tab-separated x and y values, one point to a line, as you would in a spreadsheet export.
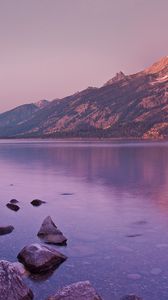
129	106
21	113
17	115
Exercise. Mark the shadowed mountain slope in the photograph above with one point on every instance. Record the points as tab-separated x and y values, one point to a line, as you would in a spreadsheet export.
127	106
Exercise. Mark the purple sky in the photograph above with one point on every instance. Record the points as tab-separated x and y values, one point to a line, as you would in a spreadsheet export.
53	48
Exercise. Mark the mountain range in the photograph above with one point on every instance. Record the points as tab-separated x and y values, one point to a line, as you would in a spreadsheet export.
126	106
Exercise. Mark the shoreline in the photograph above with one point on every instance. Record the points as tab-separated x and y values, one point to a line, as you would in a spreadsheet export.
84	142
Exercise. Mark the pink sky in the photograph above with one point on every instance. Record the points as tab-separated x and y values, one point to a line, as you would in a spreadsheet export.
53	48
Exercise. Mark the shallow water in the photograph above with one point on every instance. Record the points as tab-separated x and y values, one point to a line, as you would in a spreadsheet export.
111	201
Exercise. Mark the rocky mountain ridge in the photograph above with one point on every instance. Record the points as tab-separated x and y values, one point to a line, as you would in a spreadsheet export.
127	106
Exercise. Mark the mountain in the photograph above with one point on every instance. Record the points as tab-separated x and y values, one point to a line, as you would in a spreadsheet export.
17	115
42	103
160	67
118	77
127	106
20	114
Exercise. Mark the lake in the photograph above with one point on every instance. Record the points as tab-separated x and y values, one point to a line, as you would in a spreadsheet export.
110	199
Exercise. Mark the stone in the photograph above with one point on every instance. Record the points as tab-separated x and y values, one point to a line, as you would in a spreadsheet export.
12	285
39	258
50	234
13	206
131	297
37	202
21	269
82	290
14	201
6	229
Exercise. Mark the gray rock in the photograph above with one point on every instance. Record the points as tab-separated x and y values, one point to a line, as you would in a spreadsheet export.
131	297
39	258
50	233
6	229
37	202
13	206
11	284
77	291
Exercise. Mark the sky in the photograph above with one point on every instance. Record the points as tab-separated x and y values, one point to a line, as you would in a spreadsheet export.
53	48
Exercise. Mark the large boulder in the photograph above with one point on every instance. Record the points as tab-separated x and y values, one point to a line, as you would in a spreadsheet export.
39	258
77	291
50	234
11	284
6	229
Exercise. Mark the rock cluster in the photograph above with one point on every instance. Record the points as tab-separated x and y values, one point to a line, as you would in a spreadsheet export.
41	259
36	258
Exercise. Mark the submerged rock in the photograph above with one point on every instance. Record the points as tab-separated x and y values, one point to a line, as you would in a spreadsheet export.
67	194
82	290
50	233
14	201
13	206
131	297
39	258
6	229
134	235
11	284
37	202
140	222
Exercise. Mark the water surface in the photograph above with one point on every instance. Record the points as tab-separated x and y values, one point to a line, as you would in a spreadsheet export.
111	201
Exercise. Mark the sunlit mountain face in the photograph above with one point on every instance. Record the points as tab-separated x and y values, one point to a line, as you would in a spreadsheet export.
127	106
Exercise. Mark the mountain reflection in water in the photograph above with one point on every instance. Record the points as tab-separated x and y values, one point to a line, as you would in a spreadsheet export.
110	200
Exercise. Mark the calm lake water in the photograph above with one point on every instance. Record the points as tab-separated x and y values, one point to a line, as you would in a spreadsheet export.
115	216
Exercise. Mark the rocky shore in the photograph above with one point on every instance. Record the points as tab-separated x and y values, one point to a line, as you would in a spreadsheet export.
40	259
